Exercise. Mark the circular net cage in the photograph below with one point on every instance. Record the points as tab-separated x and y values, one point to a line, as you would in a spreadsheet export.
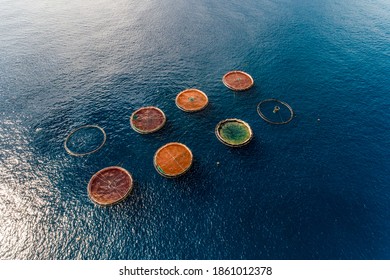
234	132
110	185
85	140
275	111
147	120
191	100
173	160
237	80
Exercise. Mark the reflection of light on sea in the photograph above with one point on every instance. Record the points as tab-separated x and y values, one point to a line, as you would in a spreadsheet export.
23	193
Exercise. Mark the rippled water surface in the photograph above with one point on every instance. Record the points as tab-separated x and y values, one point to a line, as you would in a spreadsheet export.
316	188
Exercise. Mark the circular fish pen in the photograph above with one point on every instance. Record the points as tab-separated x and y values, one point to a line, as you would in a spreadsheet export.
237	80
173	159
110	185
275	111
191	100
147	120
233	132
85	140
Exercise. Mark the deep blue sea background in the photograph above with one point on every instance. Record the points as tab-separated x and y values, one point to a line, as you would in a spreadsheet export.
316	188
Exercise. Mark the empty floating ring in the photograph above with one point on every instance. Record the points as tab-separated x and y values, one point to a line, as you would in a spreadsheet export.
191	100
233	132
110	185
275	111
73	153
237	80
173	159
147	120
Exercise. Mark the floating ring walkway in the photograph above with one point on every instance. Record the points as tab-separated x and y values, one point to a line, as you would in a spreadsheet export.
84	127
275	111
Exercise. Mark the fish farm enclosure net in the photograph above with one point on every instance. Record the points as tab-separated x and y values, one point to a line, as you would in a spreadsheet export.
173	159
233	132
275	111
191	100
85	140
147	120
110	185
237	80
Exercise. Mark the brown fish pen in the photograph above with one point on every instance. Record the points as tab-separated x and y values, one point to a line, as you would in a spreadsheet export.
238	80
173	159
110	185
233	132
191	100
147	120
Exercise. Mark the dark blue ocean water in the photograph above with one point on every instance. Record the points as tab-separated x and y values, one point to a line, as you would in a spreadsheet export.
316	188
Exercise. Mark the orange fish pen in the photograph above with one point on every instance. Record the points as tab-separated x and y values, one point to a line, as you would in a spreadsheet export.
238	80
191	100
233	132
173	159
110	185
147	120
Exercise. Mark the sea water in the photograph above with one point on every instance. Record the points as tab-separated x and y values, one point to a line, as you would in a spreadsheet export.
316	188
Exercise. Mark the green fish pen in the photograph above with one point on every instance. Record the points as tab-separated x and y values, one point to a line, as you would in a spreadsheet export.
234	132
